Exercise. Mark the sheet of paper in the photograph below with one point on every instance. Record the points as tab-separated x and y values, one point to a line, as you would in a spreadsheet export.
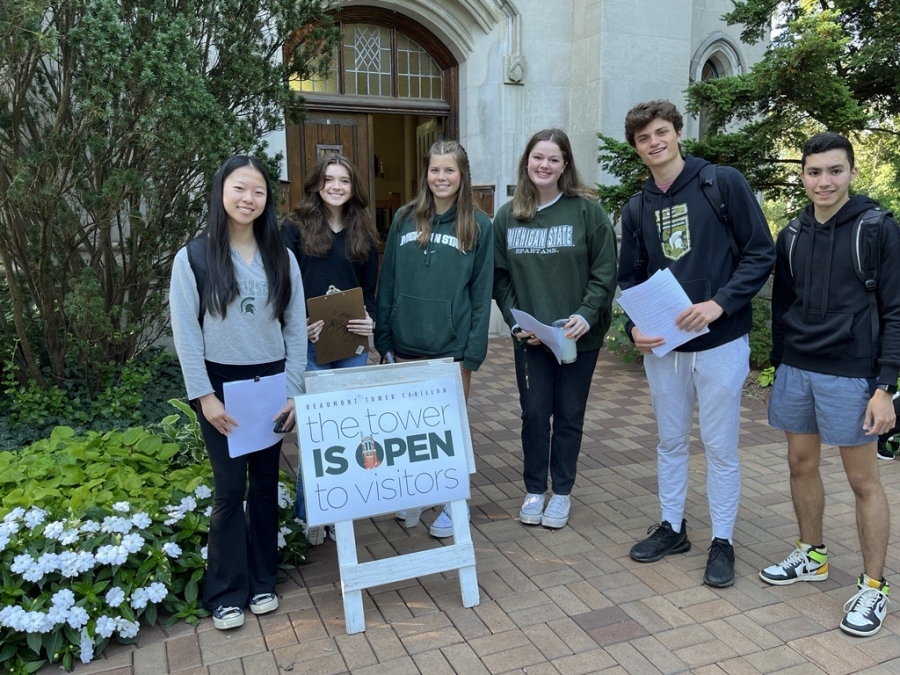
653	306
253	404
550	336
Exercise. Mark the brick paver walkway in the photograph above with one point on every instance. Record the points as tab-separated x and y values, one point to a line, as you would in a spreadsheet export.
568	601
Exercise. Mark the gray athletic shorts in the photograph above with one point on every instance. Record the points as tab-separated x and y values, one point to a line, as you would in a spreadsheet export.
834	407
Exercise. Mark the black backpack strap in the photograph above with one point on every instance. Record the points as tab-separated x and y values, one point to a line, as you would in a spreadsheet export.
791	232
634	207
866	252
196	253
713	195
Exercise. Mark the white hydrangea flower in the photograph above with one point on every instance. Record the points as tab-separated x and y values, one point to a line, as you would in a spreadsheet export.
133	542
171	549
174	517
12	526
54	530
115	525
115	596
85	562
12	617
78	617
111	555
203	552
139	598
127	629
90	527
63	598
34	517
141	520
68	537
69	564
187	504
106	626
202	492
122	507
87	647
208	511
21	563
281	536
157	592
48	563
4	541
37	622
58	615
284	497
14	515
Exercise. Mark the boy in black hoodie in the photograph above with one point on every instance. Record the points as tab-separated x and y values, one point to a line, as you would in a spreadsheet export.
679	229
835	377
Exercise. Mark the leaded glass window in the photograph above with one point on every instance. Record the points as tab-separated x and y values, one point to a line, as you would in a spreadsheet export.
370	64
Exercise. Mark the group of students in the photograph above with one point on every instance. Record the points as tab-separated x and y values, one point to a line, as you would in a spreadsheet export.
551	252
443	262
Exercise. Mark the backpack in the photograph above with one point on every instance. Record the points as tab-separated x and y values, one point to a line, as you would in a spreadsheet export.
865	251
196	253
713	195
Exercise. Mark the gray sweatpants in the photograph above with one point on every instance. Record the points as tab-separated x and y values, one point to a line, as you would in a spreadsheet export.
715	378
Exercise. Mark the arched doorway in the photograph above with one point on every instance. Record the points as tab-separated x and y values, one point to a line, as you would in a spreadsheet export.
392	92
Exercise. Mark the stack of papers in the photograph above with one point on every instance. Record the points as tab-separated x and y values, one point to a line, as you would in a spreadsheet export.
653	306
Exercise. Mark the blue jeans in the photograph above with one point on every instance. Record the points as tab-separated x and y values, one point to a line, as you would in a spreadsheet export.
349	362
548	389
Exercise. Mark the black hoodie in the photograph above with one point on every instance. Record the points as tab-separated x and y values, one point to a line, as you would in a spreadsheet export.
682	232
820	312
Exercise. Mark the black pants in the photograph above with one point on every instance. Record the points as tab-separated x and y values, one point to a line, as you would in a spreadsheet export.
548	390
242	553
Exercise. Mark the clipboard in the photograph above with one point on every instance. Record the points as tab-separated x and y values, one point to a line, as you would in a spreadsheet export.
336	308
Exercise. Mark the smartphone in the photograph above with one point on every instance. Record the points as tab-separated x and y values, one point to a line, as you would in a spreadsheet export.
279	424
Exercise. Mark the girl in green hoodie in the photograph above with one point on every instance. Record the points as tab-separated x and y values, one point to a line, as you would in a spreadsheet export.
434	294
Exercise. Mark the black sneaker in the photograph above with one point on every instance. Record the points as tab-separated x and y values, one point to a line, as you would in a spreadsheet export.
662	541
720	564
883	452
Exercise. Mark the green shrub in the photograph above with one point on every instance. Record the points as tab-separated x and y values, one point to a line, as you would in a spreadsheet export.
761	333
98	532
134	394
617	340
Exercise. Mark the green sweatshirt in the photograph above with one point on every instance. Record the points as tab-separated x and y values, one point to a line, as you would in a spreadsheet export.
563	262
435	301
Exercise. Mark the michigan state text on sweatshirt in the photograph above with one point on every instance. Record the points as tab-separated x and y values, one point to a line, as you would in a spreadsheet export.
435	300
682	232
821	319
562	262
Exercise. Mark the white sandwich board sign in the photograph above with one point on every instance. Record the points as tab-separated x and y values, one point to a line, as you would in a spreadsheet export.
375	440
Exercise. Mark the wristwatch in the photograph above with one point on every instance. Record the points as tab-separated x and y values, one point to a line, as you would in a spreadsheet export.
889	388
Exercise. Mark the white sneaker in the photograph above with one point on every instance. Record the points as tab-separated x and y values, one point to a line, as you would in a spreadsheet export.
315	535
228	617
532	509
263	603
866	610
556	515
442	526
803	564
408	517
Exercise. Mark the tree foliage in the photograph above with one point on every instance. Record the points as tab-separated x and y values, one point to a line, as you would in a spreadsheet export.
830	64
113	116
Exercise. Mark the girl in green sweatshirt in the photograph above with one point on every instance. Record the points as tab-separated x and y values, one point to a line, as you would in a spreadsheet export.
434	294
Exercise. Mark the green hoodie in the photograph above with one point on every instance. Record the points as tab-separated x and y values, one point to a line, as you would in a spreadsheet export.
436	301
562	262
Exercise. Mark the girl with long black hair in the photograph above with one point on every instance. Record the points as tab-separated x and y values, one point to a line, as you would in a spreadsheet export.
250	321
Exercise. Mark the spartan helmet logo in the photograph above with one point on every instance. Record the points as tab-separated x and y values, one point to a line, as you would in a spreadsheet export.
247	306
674	231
